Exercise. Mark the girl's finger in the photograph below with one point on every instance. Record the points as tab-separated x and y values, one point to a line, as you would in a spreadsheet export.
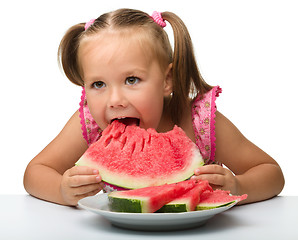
88	189
210	169
82	170
213	179
81	180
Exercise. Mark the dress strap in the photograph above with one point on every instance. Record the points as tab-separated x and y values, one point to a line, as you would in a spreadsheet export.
91	131
203	119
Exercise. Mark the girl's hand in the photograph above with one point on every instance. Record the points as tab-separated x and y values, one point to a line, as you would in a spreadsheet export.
218	177
79	182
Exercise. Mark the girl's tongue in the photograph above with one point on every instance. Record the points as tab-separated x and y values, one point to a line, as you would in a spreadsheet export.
129	121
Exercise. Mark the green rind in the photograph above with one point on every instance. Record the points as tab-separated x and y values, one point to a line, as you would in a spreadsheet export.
125	205
182	207
212	206
173	208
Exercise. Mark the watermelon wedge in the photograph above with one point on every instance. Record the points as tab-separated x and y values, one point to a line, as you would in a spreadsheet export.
188	201
149	199
132	157
217	198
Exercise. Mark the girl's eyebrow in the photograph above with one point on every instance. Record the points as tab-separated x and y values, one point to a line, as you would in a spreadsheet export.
137	70
124	72
96	78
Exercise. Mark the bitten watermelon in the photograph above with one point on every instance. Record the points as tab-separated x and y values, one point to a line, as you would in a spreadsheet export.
149	199
217	198
132	157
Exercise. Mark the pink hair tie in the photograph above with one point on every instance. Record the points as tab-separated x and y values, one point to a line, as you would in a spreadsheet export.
88	24
156	16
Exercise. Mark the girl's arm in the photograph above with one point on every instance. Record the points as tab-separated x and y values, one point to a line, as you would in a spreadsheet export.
254	171
51	175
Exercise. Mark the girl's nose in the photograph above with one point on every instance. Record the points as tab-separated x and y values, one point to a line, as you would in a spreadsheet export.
117	99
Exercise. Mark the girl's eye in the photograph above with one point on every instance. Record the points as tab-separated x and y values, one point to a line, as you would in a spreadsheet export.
98	84
132	80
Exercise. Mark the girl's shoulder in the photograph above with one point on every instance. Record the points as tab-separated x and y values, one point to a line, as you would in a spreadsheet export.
203	120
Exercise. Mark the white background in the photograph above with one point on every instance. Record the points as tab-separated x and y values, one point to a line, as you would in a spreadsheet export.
249	48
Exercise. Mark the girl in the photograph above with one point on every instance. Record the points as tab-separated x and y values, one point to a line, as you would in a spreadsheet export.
128	71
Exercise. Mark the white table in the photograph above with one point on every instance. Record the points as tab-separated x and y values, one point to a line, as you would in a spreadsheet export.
25	217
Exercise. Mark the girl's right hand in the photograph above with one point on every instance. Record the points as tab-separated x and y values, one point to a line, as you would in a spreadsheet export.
79	182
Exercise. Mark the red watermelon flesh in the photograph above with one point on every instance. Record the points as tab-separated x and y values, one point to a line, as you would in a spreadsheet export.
188	201
149	199
217	198
132	157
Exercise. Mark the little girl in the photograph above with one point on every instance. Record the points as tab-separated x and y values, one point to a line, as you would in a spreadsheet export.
128	71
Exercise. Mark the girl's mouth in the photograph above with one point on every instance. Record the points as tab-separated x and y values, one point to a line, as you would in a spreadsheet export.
128	121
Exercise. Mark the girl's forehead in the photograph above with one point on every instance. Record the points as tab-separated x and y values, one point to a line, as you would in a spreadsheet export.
110	49
115	44
126	37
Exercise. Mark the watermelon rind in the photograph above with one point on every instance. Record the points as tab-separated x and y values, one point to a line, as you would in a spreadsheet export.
117	204
175	207
212	206
184	207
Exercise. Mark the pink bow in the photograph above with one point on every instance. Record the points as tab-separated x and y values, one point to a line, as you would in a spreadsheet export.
88	24
156	16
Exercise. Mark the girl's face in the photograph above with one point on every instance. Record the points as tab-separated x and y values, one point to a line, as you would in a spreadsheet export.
122	81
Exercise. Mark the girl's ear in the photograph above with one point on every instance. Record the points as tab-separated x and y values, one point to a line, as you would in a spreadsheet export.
168	83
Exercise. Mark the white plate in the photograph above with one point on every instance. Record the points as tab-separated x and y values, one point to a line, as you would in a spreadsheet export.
149	221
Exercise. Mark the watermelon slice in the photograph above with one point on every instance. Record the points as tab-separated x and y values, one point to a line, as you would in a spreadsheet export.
188	201
149	199
217	198
132	157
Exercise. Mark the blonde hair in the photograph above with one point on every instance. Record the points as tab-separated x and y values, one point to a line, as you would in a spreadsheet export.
187	80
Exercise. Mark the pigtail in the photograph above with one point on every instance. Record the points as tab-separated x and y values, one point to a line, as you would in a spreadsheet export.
67	53
187	80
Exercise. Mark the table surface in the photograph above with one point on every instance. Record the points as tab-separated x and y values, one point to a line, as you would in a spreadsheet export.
25	217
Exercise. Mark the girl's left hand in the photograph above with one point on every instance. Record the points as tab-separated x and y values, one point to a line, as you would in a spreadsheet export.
218	177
